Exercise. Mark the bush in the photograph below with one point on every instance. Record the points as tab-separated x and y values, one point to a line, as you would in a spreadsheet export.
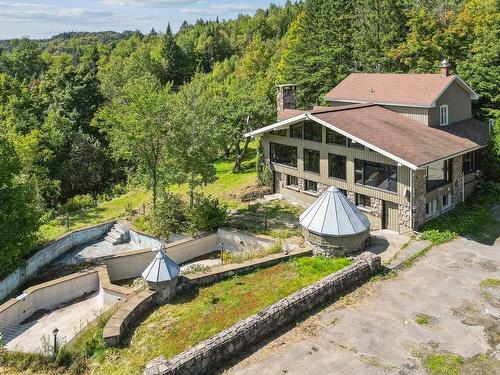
169	216
207	214
266	176
78	202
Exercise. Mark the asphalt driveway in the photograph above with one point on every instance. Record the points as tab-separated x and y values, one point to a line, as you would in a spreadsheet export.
374	329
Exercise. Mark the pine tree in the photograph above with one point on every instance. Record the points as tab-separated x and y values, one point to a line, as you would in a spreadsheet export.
173	59
319	54
379	26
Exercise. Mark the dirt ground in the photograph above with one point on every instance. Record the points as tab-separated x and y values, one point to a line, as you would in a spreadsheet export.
374	329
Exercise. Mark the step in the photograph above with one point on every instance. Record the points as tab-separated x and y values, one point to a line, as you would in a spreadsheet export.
112	241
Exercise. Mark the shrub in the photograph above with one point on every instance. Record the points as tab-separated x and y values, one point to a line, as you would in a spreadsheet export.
207	214
169	216
78	202
266	176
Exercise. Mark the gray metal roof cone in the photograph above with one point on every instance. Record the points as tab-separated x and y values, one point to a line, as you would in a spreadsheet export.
332	214
162	268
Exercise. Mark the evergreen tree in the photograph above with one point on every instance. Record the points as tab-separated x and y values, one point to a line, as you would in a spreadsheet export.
320	49
379	26
172	59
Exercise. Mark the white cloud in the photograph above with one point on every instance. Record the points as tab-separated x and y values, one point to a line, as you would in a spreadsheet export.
48	12
219	9
148	2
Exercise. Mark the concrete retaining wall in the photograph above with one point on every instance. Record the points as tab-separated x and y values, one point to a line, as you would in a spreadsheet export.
128	265
190	248
48	253
48	295
142	238
211	354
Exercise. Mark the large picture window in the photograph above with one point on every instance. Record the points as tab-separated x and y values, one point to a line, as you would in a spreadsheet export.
296	131
337	166
312	131
438	174
283	154
281	132
311	160
377	175
334	138
353	144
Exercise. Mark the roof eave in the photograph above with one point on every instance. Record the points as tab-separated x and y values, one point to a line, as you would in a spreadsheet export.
418	105
277	125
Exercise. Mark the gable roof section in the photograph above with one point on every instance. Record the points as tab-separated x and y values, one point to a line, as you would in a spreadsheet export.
393	135
415	90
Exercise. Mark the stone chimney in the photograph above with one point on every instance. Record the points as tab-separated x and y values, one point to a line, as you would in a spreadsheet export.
286	96
444	68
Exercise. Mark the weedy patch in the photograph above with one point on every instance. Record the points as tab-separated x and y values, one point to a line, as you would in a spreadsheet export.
424	319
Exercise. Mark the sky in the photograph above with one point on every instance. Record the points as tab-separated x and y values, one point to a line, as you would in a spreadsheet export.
42	18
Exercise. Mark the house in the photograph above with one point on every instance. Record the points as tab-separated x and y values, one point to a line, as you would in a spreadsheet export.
402	147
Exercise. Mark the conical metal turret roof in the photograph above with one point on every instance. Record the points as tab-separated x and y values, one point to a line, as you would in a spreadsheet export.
162	268
332	214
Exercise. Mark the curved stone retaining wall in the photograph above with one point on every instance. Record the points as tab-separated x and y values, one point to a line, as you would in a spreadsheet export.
129	311
211	354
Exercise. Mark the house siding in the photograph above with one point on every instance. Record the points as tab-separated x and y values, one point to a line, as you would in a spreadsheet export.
374	213
459	105
417	114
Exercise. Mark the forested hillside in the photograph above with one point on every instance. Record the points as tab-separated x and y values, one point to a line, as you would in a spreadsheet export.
83	115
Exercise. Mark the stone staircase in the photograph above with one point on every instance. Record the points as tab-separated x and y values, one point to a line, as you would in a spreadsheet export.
118	234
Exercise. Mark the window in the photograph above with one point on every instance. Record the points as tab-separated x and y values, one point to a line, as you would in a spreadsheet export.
469	162
337	166
296	131
363	200
283	154
430	208
353	144
438	174
443	115
292	181
377	175
334	138
446	200
311	160
281	132
313	131
343	191
310	185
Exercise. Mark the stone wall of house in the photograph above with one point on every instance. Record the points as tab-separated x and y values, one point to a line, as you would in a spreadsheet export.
376	205
210	354
419	200
456	175
351	196
404	216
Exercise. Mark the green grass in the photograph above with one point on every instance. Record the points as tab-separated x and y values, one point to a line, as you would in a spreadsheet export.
106	211
423	319
195	316
490	283
443	364
225	187
472	219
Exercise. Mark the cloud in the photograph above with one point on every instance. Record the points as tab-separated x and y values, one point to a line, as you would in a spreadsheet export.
47	12
150	3
219	9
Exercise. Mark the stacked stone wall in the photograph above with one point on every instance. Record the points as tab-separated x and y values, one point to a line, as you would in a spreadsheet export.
211	354
419	200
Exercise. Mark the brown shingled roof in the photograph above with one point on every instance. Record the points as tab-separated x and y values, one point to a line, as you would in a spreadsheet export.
288	113
405	138
404	89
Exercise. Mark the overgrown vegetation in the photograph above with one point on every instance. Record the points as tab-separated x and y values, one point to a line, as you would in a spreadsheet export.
247	254
85	112
473	219
443	364
190	318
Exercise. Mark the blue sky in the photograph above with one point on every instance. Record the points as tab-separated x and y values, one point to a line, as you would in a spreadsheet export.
41	18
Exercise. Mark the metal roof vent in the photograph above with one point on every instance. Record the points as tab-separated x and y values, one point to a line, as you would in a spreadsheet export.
334	215
161	269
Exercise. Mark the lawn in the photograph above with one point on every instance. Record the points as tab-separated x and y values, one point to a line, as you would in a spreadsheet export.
225	187
195	316
473	219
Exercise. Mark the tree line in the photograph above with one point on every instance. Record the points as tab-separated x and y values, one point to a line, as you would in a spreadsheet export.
82	115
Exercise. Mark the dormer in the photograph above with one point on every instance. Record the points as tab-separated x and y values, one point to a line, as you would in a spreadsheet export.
430	99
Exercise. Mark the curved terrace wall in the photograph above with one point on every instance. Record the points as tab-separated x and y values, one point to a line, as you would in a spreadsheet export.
50	252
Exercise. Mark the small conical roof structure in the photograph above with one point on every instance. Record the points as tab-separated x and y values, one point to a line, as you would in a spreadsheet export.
162	268
332	214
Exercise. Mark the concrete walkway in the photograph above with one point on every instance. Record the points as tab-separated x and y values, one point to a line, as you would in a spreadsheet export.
373	330
69	320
